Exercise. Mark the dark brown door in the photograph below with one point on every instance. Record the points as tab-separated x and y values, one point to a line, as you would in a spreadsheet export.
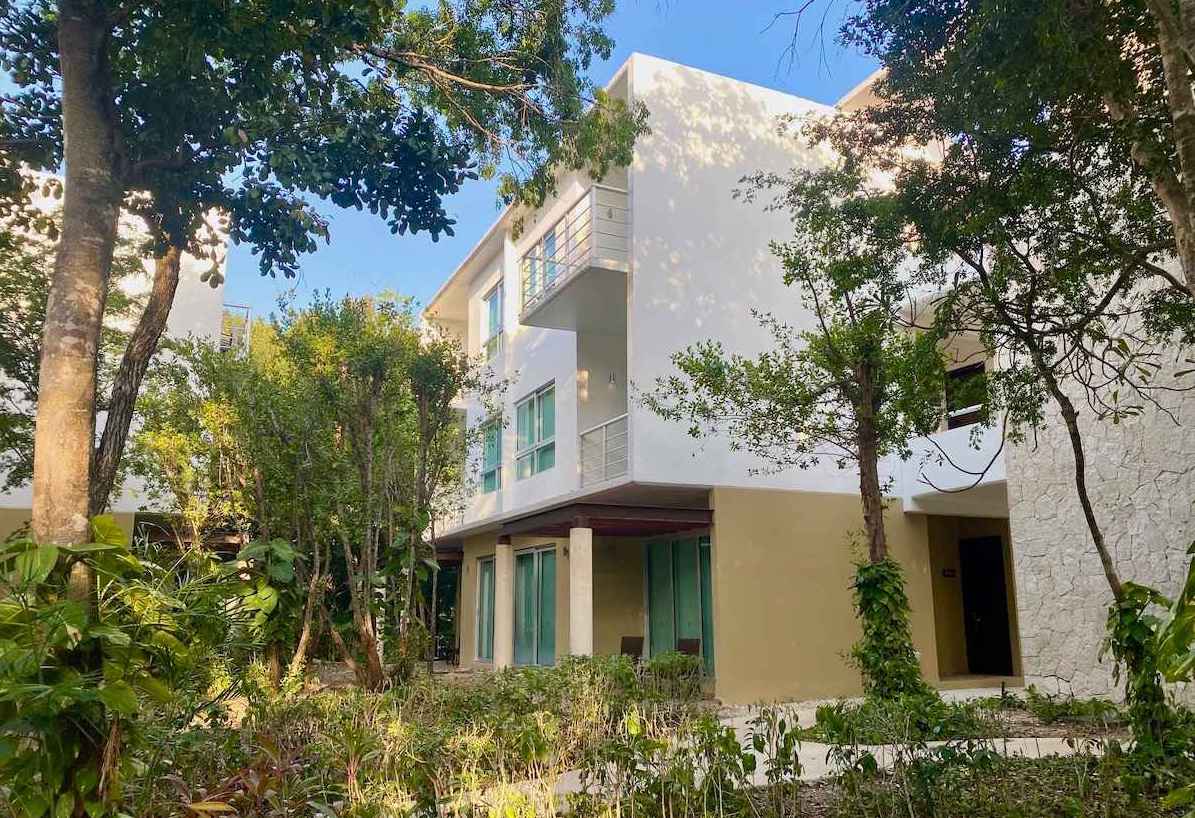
985	606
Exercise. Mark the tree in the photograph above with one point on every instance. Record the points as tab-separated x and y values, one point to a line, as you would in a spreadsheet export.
334	442
1046	213
856	388
252	110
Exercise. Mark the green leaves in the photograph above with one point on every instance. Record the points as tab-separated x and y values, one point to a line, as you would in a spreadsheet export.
106	531
119	696
33	565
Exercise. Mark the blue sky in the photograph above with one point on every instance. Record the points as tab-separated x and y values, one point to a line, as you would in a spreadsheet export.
726	38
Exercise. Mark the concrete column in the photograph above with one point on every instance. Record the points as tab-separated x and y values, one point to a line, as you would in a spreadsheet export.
580	589
504	603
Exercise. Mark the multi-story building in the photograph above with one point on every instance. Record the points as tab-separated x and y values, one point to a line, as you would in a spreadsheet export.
597	526
198	312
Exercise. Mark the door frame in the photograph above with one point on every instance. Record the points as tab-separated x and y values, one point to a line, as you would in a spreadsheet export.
699	535
998	542
537	560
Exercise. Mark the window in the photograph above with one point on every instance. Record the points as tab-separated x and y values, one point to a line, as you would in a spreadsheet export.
485	609
493	322
491	457
535	607
966	389
536	420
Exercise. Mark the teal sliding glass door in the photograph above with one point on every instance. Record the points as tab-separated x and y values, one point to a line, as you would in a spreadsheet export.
485	610
535	608
680	595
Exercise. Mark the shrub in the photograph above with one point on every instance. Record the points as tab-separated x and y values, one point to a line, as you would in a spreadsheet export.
905	719
884	653
673	676
1051	709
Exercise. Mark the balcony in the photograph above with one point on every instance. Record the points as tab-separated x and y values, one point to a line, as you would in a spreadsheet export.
575	276
604	451
959	471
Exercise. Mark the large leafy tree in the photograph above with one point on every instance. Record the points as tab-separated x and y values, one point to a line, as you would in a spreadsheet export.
333	439
1051	208
855	387
253	110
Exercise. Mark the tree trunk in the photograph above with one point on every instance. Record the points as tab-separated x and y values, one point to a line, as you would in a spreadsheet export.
1181	101
870	492
142	345
314	600
65	428
1070	417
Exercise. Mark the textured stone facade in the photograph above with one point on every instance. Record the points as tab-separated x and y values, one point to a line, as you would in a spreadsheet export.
1141	475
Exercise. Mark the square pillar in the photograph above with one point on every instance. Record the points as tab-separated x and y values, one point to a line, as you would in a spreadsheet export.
580	589
504	603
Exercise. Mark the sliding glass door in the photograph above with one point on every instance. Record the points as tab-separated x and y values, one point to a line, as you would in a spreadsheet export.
535	607
680	596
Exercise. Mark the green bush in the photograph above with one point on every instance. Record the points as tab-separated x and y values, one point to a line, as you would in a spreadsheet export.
672	676
96	643
884	653
1052	709
905	719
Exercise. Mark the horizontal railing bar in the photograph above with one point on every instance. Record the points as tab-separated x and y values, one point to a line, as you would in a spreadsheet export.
605	423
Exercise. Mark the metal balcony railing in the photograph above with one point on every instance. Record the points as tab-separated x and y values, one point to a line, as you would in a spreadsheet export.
593	233
604	451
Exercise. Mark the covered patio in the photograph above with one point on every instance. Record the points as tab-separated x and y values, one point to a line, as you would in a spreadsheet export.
585	578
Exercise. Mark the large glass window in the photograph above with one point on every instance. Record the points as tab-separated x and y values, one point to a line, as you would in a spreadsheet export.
550	263
485	610
491	457
493	323
536	425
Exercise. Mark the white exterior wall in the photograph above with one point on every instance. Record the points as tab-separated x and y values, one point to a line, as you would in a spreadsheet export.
531	358
701	261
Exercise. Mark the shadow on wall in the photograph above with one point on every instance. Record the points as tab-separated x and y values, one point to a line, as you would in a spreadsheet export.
709	132
702	256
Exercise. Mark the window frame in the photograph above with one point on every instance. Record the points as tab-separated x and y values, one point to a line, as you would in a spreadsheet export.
533	447
492	345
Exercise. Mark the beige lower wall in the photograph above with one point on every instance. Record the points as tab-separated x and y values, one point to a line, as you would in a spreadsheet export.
14	519
944	536
618	592
783	565
783	616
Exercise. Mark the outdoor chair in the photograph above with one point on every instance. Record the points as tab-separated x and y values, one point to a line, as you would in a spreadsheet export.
632	646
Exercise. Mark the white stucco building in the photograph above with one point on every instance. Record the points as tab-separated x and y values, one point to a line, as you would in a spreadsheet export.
598	526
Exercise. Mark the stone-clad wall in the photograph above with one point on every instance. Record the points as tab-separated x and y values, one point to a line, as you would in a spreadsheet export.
1141	476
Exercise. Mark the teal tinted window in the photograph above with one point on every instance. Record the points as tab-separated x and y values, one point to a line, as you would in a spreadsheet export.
536	420
680	596
491	457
